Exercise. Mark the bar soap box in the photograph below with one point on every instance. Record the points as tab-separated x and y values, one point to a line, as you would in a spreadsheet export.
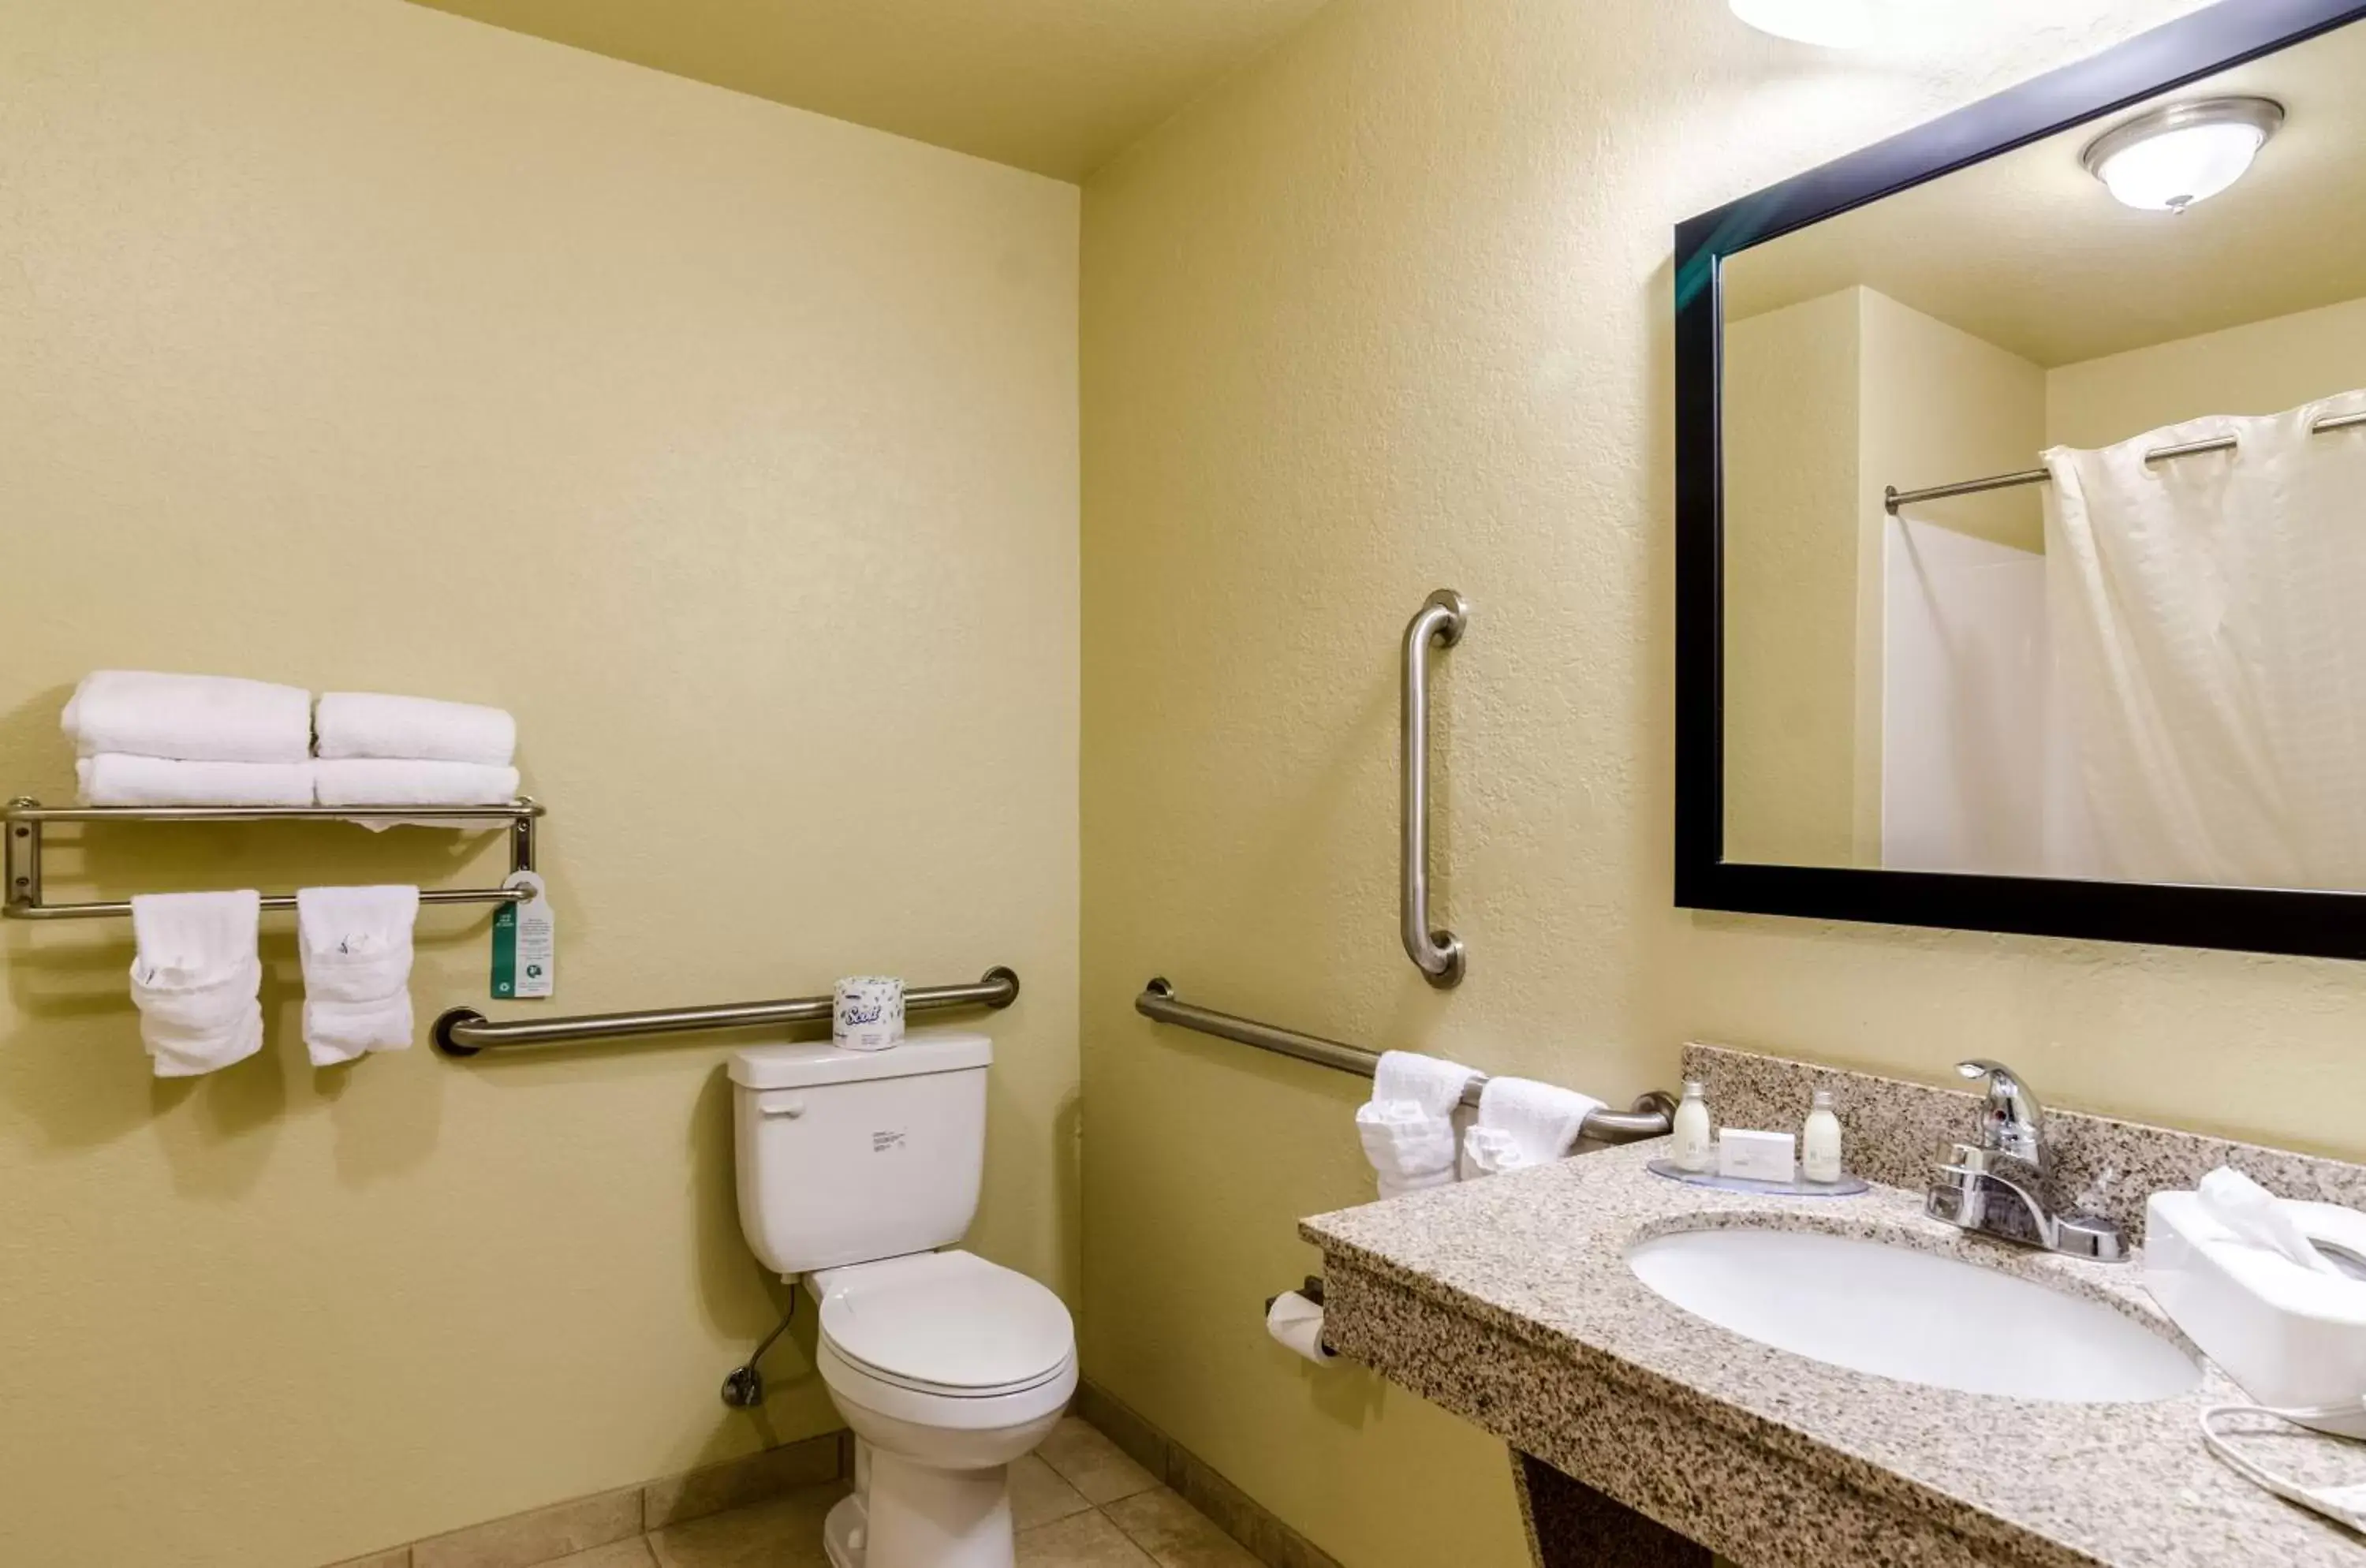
1757	1157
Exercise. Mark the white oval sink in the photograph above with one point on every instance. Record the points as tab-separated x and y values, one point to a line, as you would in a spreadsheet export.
1913	1316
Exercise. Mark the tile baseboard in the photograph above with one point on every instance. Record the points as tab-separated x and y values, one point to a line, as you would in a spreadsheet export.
1199	1484
539	1535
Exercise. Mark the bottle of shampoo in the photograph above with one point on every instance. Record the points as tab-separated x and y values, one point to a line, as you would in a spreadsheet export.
1693	1151
1820	1149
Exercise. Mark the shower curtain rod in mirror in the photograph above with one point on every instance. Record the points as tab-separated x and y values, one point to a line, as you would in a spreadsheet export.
1893	498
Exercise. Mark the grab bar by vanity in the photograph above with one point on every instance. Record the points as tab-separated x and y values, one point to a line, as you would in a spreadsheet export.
1652	1115
465	1031
1437	954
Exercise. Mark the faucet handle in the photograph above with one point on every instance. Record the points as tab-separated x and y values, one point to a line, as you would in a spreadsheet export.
2011	1122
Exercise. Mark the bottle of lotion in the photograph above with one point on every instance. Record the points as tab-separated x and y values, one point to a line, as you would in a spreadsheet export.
1820	1149
1694	1152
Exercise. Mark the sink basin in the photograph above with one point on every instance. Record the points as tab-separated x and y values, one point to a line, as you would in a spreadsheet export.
1916	1317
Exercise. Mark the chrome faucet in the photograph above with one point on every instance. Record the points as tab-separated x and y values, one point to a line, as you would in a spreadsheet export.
1993	1187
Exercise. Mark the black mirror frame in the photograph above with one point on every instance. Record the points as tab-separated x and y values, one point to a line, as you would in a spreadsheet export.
2324	924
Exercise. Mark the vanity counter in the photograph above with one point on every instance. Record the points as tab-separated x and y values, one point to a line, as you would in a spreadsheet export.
1509	1300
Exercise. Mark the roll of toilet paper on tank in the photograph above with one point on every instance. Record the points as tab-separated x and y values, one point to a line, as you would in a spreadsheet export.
867	1013
1296	1324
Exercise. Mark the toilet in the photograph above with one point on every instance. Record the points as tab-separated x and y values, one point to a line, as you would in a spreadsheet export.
859	1170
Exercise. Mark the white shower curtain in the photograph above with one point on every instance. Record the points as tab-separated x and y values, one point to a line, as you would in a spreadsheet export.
2208	616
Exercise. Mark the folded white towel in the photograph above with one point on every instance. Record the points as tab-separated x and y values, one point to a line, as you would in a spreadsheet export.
1523	1124
383	780
196	979
1407	1126
116	778
1432	1083
191	718
2258	1217
366	723
355	945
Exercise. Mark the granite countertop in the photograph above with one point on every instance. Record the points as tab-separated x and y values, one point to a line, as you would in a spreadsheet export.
1540	1256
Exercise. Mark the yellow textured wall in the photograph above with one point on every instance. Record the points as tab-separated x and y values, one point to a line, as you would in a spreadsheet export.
2264	367
1391	311
735	449
1793	415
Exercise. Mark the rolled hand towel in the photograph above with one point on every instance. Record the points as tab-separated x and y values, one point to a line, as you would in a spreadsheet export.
365	724
355	945
1523	1124
190	718
114	778
1407	1127
196	979
383	780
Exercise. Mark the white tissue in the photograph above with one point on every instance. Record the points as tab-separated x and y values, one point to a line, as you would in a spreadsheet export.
2258	1217
1296	1324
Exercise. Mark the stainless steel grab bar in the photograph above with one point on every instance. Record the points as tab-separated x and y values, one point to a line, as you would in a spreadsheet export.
1437	954
1651	1117
464	1031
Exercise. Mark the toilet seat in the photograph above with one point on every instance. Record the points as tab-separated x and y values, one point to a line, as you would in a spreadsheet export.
945	1326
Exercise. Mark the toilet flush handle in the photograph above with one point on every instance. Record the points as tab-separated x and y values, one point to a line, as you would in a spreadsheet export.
791	1109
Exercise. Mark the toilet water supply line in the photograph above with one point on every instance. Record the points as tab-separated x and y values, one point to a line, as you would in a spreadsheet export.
743	1386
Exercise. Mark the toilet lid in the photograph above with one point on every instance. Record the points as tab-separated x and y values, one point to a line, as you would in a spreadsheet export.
948	1320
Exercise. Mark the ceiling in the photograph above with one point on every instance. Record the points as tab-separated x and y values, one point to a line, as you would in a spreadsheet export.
1058	86
2030	251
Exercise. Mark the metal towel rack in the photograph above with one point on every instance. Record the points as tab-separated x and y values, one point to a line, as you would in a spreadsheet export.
464	1031
25	820
1442	619
1652	1115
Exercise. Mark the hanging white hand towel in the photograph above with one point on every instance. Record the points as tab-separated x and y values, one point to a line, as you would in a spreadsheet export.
197	979
368	724
371	781
193	718
117	778
1523	1124
356	947
1407	1127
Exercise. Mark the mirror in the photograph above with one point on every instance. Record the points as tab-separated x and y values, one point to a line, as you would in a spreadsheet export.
2040	440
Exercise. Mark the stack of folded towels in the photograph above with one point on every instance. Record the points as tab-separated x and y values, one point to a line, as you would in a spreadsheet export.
144	738
379	751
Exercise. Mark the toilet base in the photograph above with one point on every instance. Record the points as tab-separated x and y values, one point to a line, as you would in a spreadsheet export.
843	1535
912	1516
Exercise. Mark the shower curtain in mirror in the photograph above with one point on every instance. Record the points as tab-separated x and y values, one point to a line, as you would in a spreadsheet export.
2208	619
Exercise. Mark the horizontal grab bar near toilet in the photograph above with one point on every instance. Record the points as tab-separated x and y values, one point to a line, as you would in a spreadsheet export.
464	1031
1654	1115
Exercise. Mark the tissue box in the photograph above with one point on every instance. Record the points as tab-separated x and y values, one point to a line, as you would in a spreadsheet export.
2294	1339
1757	1157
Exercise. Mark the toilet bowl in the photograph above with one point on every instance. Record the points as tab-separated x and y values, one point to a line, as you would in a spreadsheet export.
947	1368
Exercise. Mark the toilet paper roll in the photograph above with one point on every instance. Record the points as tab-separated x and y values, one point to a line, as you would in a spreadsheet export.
867	1013
1296	1324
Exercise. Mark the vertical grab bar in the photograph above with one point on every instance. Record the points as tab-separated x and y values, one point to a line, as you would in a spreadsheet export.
1437	954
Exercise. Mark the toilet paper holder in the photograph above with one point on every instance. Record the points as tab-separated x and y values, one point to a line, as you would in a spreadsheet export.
1313	1291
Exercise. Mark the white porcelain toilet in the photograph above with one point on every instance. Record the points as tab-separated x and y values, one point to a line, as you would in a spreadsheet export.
855	1166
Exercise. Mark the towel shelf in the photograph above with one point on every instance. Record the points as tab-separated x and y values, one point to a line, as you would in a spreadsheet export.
465	1031
1652	1115
24	821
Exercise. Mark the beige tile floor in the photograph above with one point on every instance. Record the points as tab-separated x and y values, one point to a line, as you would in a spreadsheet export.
1079	1502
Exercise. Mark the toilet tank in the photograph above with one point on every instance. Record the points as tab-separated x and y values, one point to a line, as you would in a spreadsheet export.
847	1156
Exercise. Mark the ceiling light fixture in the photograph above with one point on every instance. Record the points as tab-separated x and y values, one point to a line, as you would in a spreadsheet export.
2171	158
1830	24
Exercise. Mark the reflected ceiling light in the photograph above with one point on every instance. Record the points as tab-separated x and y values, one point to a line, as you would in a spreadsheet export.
1833	24
2173	157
